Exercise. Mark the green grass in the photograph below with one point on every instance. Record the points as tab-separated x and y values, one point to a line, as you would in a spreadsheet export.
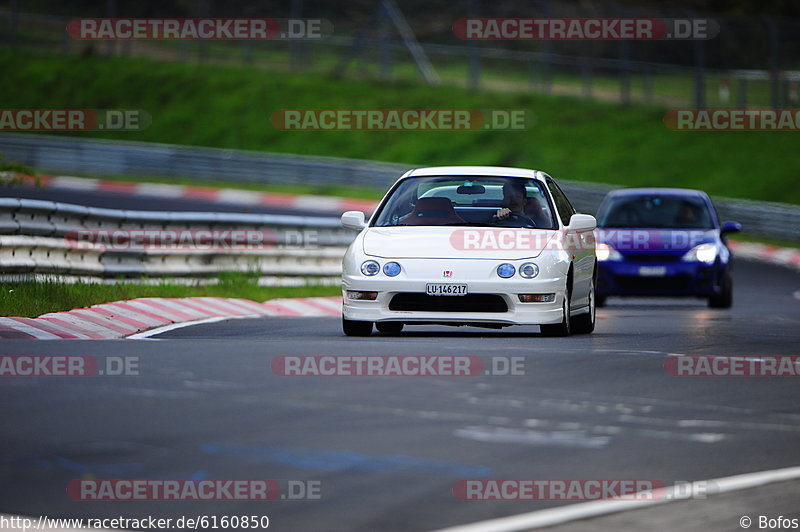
34	298
576	139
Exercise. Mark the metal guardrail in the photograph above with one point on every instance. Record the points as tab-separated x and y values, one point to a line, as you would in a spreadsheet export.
44	237
114	158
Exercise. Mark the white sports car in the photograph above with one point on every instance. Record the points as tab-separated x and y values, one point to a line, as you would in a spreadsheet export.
471	245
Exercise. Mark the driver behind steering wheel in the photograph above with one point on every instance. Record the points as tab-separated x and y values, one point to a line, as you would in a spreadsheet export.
513	201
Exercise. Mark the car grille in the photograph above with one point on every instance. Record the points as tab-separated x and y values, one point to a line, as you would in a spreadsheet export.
672	283
467	303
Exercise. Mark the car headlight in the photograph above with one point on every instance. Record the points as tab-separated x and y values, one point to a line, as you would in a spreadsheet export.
506	270
391	269
605	252
529	270
370	268
706	253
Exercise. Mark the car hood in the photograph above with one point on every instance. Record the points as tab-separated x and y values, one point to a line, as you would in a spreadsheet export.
668	241
422	242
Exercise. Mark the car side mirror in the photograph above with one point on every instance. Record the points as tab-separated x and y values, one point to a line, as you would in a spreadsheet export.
731	227
582	222
354	220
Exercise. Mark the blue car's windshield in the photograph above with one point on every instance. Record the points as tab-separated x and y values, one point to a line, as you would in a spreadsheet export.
655	212
465	200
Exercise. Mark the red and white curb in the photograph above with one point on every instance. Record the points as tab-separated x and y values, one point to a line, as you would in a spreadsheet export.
789	257
131	318
214	195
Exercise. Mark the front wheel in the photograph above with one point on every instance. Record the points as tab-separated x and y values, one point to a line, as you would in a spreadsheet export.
725	297
356	328
584	324
563	328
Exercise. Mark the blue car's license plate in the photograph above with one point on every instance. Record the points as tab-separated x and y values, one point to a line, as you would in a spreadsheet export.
652	271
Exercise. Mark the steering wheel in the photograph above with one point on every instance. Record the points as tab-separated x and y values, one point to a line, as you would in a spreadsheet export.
523	217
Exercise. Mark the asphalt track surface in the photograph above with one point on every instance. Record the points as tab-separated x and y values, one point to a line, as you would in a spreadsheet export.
388	450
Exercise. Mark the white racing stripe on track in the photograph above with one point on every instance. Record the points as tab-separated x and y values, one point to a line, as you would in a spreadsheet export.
166	328
587	510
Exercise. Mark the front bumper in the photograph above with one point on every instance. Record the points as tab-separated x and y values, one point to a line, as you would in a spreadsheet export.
679	279
517	313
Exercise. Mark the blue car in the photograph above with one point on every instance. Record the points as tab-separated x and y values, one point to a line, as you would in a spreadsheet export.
663	242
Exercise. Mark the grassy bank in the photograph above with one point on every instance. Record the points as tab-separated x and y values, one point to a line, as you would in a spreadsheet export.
231	106
31	299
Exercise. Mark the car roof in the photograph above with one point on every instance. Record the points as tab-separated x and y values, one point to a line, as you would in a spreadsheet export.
666	191
491	171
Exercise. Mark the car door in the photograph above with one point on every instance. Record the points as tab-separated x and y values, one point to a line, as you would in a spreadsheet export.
580	246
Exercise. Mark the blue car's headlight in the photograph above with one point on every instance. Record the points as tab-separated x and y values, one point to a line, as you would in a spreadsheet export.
506	270
391	269
370	268
705	253
605	252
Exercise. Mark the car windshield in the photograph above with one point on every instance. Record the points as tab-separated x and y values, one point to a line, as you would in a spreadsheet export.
655	212
470	201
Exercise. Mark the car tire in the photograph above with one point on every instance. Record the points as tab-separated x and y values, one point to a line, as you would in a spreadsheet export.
584	324
563	328
725	298
389	327
356	328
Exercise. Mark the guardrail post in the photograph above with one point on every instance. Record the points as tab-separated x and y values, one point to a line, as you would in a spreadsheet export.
699	74
586	76
774	73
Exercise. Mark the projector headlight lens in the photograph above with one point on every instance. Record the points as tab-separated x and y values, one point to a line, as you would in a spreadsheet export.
529	270
605	252
391	269
370	268
506	270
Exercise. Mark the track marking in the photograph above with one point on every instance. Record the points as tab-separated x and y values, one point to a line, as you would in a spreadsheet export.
166	328
586	510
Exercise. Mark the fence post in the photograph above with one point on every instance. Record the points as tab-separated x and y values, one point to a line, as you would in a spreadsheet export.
474	70
586	76
13	17
111	12
384	52
774	73
295	48
699	74
625	73
741	93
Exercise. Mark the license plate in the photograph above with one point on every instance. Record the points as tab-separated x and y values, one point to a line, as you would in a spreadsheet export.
446	289
653	271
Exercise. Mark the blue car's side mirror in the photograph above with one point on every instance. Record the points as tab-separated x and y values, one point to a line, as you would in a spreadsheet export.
731	227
